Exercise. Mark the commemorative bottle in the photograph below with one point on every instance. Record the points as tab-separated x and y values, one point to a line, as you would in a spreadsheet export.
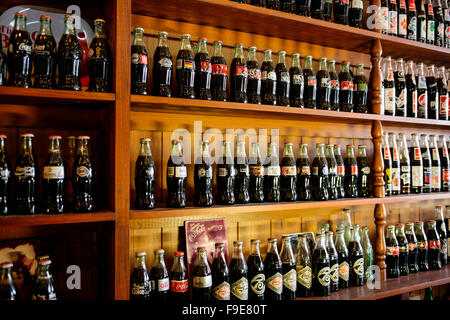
99	60
179	284
159	277
297	82
238	75
254	77
140	286
415	157
83	178
356	259
436	178
288	179
392	253
442	232
256	276
427	163
400	89
256	183
405	165
387	165
422	244
220	274
340	172
69	57
351	173
395	164
439	23
203	177
303	174
383	19
361	88
201	278
53	178
19	53
402	19
242	177
176	177
363	172
411	20
403	249
389	88
346	92
411	91
139	63
355	13
203	70
44	288
304	268
185	69
334	263
413	250
445	164
340	10
289	270
144	177
283	80
421	21
342	251
219	76
273	268
433	96
44	55
8	289
431	24
324	86
434	246
238	273
269	80
309	95
332	172
368	253
442	90
334	84
5	178
422	92
393	17
319	175
321	268
225	176
162	67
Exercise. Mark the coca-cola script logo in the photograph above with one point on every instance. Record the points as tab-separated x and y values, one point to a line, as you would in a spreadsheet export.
178	286
197	229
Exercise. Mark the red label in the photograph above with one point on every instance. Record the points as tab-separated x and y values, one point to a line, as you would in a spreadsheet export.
423	99
412	5
390	74
393	251
178	286
430	9
345	1
341	170
288	171
205	66
403	4
256	171
334	83
387	153
434	244
220	69
393	1
241	71
312	82
443	105
395	155
445	175
354	170
444	151
347	85
417	154
306	170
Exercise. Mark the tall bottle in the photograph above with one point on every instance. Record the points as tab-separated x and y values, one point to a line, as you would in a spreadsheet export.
144	177
139	63
8	289
442	232
431	24
321	268
297	85
334	85
427	163
273	268
185	67
392	253
242	179
433	96
201	278
176	177
422	243
356	259
304	268
383	19
393	17
254	77
341	248
442	89
445	164
239	75
220	274
363	172
269	80
69	57
288	180
411	20
283	80
421	21
319	176
400	89
256	183
405	166
361	88
99	60
355	14
389	88
309	95
434	246
402	19
413	250
422	93
435	165
332	172
395	162
225	176
238	273
19	53
368	253
53	178
179	283
288	269
219	76
347	87
340	171
44	55
340	10
203	177
5	178
256	276
303	174
44	288
162	67
159	277
439	23
303	7
351	173
203	70
387	166
403	249
334	263
411	91
415	157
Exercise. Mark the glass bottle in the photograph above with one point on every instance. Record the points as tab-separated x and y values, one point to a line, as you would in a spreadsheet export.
139	63
297	82
332	172
19	53
392	253
356	259
272	174
403	249
203	70
351	173
256	183
100	60
69	57
140	287
395	164
303	174
283	80
344	269
242	180
347	88
288	269
185	69
364	172
176	177
201	278
254	77
162	67
220	274
83	177
387	165
225	176
422	243
413	250
7	287
238	273
389	87
324	86
44	55
288	181
274	272
219	76
321	268
144	177
203	177
239	75
334	263
304	268
256	276
269	80
309	95
405	165
53	177
319	176
179	279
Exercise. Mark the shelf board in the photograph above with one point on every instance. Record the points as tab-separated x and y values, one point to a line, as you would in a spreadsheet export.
243	17
281	206
13	95
65	218
392	287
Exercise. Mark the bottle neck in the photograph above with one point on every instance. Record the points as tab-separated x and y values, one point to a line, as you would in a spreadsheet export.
409	228
54	146
138	38
350	152
145	149
252	54
323	64
340	238
288	151
255	153
159	260
414	141
217	49
272	248
424	142
185	43
329	151
139	262
282	58
296	61
162	40
176	150
267	56
286	247
239	52
273	150
390	233
99	33
346	67
205	151
241	150
399	66
2	145
27	146
360	70
255	249
320	152
226	150
46	27
202	46
201	258
420	71
237	252
362	152
439	213
392	141
69	26
178	264
308	63
430	71
83	147
400	231
303	152
410	68
331	66
20	23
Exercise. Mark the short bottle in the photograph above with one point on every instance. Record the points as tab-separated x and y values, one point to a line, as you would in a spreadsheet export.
392	253
387	165
309	94
162	67
403	249
422	92
351	173
356	259
274	272
427	163
363	172
239	75
256	276
319	175
413	250
69	57
415	157
159	277
442	232
53	178
344	269
303	174
269	80
19	53
324	85
185	69
334	263
272	173
411	89
140	286
203	70
238	274
297	87
341	171
389	87
283	80
422	243
361	89
226	176
144	177
334	82
201	278
321	268
347	88
395	164
254	77
304	268
256	183
139	63
400	89
203	177
434	246
220	274
44	55
332	172
242	179
99	60
176	177
288	269
179	284
288	181
405	165
445	163
368	254
219	76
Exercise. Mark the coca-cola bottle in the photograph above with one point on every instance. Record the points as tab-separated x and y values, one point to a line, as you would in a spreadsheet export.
303	174
400	89
342	251
431	24
242	179
340	171
201	278
274	272
439	23
83	177
334	83
8	289
99	60
442	90
387	166
395	163
402	19
346	92
405	165
140	286
219	76
309	95
433	95
256	276
340	10
434	246
269	80
256	183
445	163
5	178
288	269
393	17
321	268
225	176
421	21
324	87
411	28
185	67
360	93
368	253
194	47
403	249
53	178
254	77
427	163
19	53
239	75
139	63
176	177
356	259
319	176
297	82
238	273
392	253
415	157
422	92
162	67
351	173
203	177
288	180
317	9
422	244
69	57
355	14
435	165
442	232
179	279
364	172
144	177
283	80
332	172
203	69
220	274
411	90
304	268
389	87
334	263
44	55
159	277
303	7
383	19
44	288
413	250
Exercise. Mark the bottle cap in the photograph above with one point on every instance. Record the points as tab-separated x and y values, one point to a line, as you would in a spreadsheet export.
84	138
45	262
267	50
7	265
139	29
27	135
203	38
218	244
44	16
201	249
419	222
255	241
146	140
345	62
239	44
272	239
54	137
99	20
252	47
237	243
186	35
140	254
350	146
44	257
400	225
218	41
3	136
21	14
178	253
159	251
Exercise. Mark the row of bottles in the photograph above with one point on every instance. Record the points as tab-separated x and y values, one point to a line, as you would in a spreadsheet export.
243	180
42	282
199	76
26	178
420	168
415	93
413	250
54	66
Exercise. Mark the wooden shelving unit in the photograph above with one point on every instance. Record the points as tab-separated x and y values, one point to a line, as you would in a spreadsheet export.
65	218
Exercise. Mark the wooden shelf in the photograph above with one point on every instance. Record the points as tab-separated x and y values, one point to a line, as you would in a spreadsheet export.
392	287
281	206
65	218
243	17
13	95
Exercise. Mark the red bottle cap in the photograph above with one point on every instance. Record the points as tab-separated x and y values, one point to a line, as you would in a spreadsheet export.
400	225
54	137
44	16
7	265
419	222
45	262
3	136
203	38
21	14
178	253
201	249
218	41
345	62
350	145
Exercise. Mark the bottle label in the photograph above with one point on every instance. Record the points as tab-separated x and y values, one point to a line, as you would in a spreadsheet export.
245	170
430	9
443	106
443	247
357	4
417	154
403	249
240	289
288	171
269	75
395	154
304	276
25	172
423	245
315	171
163	284
427	176
405	176
412	5
435	154
140	289
412	246
53	172
305	170
324	276
222	291
414	102
137	58
258	284
422	82
423	29
220	69
430	30
341	170
297	79
165	62
334	273
358	267
202	282
354	170
185	64
392	251
254	74
436	177
393	22
4	174
257	170
202	172
347	85
273	171
181	172
445	175
285	77
401	99
361	87
242	71
223	172
179	285
389	99
402	24
365	170
334	84
445	151
290	280
205	66
417	176
25	47
384	18
440	30
275	283
325	82
403	4
434	244
332	170
312	81
344	270
395	180
387	153
84	172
